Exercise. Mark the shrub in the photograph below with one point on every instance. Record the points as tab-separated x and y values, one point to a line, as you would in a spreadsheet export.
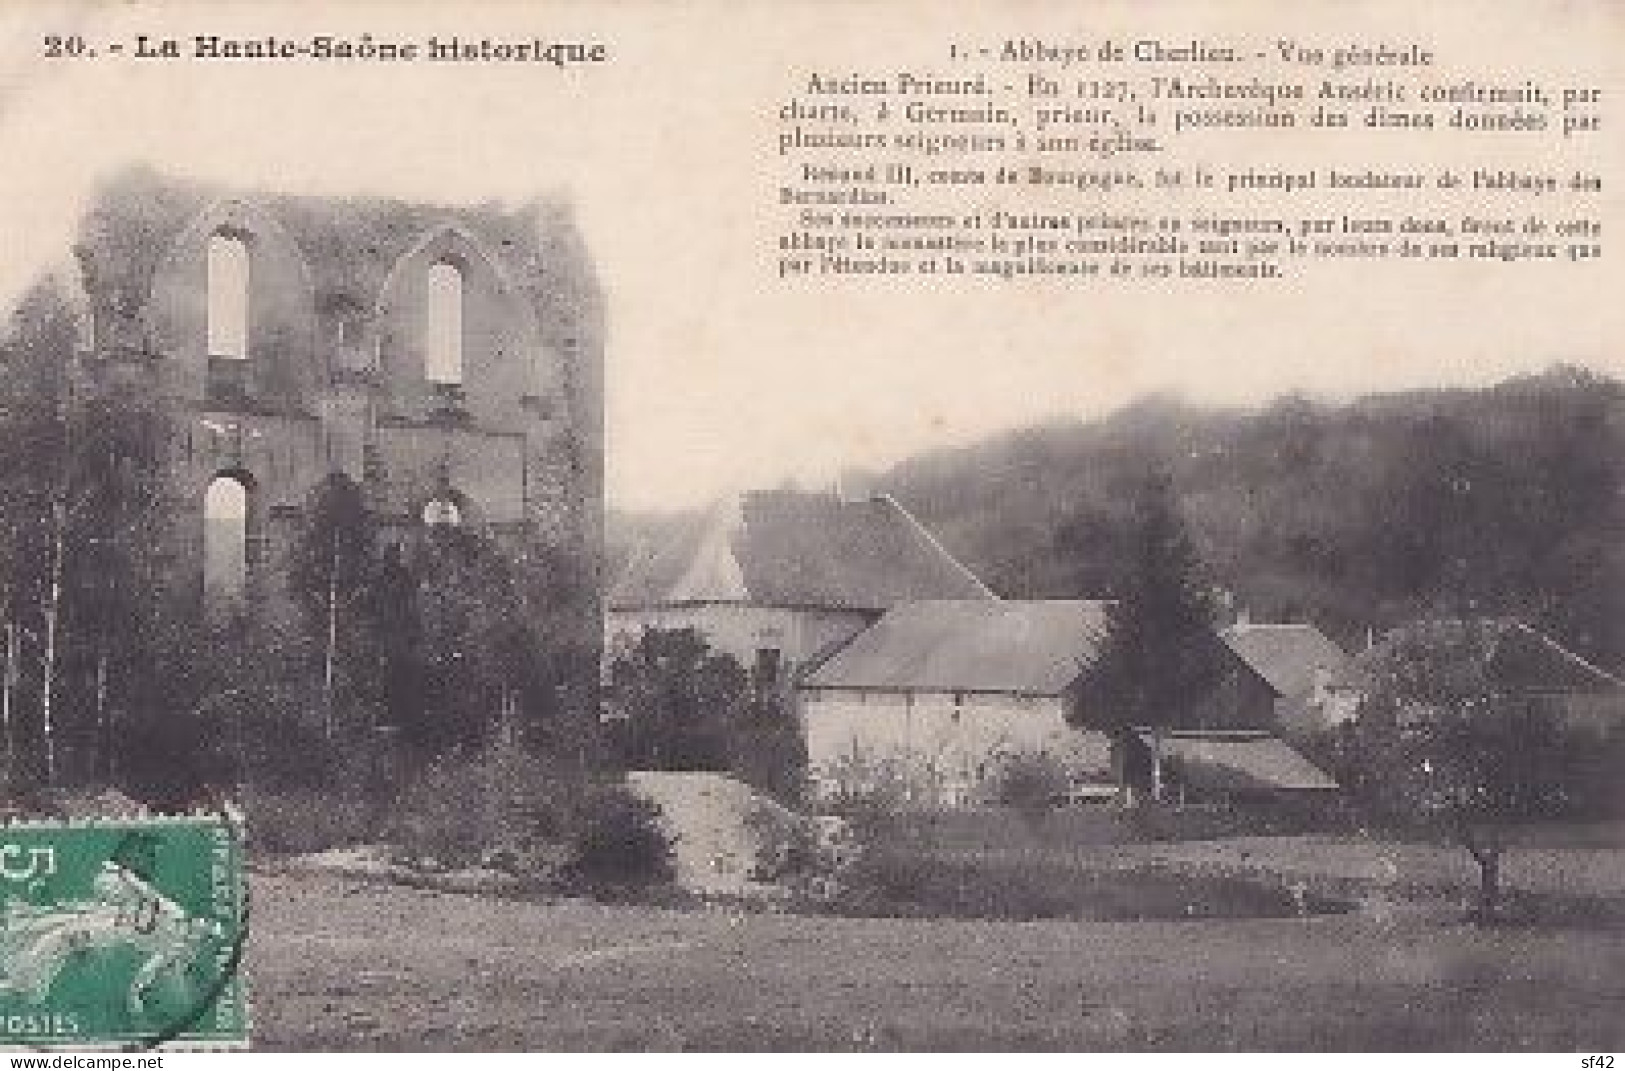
618	841
170	763
788	847
869	790
767	750
500	804
325	793
294	821
1031	782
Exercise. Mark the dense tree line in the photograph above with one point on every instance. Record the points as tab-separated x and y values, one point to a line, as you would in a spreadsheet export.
116	671
1499	500
100	673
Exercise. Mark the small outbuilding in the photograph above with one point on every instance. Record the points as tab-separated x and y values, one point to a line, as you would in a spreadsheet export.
1236	767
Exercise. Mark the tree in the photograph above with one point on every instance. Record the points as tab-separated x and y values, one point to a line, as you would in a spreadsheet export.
676	701
560	591
766	747
84	516
1160	659
40	449
444	631
339	578
1349	514
1444	743
473	653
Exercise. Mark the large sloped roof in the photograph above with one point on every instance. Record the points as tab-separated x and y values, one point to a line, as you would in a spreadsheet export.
1288	656
1026	648
1528	658
1519	655
792	548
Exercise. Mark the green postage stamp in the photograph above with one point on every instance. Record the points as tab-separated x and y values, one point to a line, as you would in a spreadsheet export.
123	933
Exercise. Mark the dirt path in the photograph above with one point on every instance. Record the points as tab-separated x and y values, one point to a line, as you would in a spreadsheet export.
341	965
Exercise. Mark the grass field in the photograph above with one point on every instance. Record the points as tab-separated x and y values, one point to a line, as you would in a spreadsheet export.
337	964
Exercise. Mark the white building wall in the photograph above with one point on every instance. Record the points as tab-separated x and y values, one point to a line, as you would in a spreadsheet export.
939	747
741	630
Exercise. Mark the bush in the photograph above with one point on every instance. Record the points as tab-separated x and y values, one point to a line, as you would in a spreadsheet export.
171	763
786	846
767	750
325	793
294	821
1032	782
619	842
501	806
501	803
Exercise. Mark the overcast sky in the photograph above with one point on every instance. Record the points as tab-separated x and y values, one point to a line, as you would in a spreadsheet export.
719	376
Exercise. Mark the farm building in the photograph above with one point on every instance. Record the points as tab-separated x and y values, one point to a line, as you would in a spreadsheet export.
937	697
936	693
904	667
779	579
1302	667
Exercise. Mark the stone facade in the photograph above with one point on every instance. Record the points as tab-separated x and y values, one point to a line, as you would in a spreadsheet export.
332	376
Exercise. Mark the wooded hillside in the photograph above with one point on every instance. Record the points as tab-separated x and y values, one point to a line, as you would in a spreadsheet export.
1508	499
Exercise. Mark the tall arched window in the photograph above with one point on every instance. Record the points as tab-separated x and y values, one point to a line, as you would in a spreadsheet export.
225	539
228	296
443	356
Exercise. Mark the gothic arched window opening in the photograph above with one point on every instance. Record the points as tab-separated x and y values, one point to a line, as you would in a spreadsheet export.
225	539
443	335
228	296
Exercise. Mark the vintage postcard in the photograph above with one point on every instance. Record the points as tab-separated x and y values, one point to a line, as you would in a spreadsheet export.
799	526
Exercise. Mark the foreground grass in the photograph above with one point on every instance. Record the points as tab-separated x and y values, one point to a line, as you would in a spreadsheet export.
1029	885
338	965
1560	874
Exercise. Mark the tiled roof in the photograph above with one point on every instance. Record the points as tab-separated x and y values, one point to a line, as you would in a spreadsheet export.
1289	657
1026	648
792	548
1234	762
